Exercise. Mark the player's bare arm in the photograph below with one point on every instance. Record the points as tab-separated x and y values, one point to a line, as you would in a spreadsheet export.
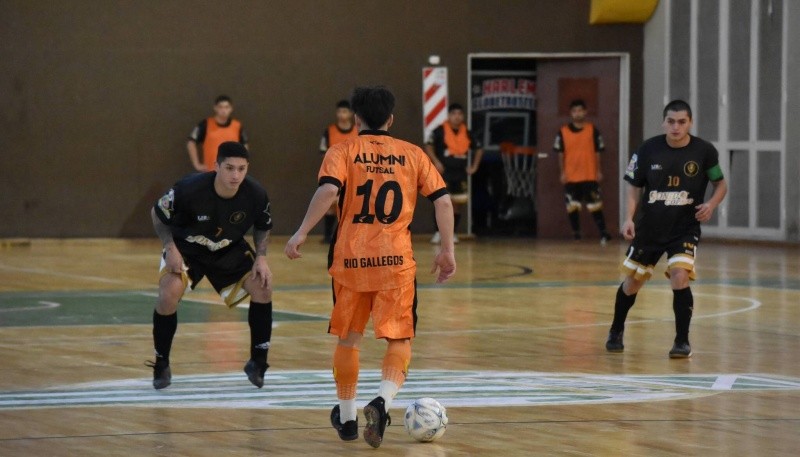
599	167
173	259
432	154
444	264
323	198
633	196
194	156
706	210
562	176
476	161
260	266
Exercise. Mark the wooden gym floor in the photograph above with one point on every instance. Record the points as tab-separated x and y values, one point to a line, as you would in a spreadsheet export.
513	346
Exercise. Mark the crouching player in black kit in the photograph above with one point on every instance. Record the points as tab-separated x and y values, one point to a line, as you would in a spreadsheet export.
674	170
202	221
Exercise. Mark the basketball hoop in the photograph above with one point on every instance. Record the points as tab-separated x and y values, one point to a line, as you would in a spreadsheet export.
519	163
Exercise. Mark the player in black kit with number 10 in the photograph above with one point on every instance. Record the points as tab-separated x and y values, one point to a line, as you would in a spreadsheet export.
202	221
669	174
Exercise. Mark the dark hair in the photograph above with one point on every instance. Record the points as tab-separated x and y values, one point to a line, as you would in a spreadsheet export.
373	105
222	98
342	104
678	105
232	149
577	102
454	107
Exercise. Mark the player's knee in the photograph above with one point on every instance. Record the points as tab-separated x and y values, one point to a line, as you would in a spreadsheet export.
631	285
262	294
573	206
353	339
167	303
170	291
679	278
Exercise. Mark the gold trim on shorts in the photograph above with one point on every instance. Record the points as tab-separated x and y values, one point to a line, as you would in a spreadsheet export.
637	270
682	261
162	271
235	293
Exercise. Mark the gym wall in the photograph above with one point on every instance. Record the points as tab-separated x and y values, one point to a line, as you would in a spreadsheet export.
98	97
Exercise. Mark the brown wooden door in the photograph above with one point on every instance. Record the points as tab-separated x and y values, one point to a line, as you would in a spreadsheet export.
596	80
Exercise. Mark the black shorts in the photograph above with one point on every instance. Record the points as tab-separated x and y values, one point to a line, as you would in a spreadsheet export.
455	176
226	270
582	192
641	258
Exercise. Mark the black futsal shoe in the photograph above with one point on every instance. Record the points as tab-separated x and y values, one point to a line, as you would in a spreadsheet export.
347	431
162	375
680	350
377	420
255	372
614	341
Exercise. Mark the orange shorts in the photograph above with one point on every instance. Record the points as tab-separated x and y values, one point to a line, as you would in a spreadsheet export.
393	311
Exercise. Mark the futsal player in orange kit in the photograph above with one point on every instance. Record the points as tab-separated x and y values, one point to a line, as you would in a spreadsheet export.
372	262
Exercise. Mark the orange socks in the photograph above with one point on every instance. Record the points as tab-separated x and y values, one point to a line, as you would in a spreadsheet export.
395	369
345	371
396	360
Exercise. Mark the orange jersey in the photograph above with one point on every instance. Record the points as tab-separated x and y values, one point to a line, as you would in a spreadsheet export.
216	135
580	153
379	178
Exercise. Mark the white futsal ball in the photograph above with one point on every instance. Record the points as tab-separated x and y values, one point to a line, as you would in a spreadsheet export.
425	420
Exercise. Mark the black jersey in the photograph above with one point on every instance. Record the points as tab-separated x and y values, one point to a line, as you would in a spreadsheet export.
203	222
674	182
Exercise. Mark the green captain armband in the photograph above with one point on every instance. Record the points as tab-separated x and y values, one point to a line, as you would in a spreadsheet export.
714	173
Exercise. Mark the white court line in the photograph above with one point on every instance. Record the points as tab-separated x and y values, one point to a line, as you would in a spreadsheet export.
45	305
240	305
724	382
754	304
605	259
41	271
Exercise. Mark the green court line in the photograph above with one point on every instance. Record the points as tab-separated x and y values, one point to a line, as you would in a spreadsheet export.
26	309
110	308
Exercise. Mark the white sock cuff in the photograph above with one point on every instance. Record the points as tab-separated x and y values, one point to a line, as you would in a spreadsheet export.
388	390
347	410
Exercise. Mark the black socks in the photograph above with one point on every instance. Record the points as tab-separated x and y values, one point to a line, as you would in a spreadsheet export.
259	316
575	221
599	220
683	305
164	328
622	305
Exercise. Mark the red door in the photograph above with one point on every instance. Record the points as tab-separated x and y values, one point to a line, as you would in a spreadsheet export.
596	80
